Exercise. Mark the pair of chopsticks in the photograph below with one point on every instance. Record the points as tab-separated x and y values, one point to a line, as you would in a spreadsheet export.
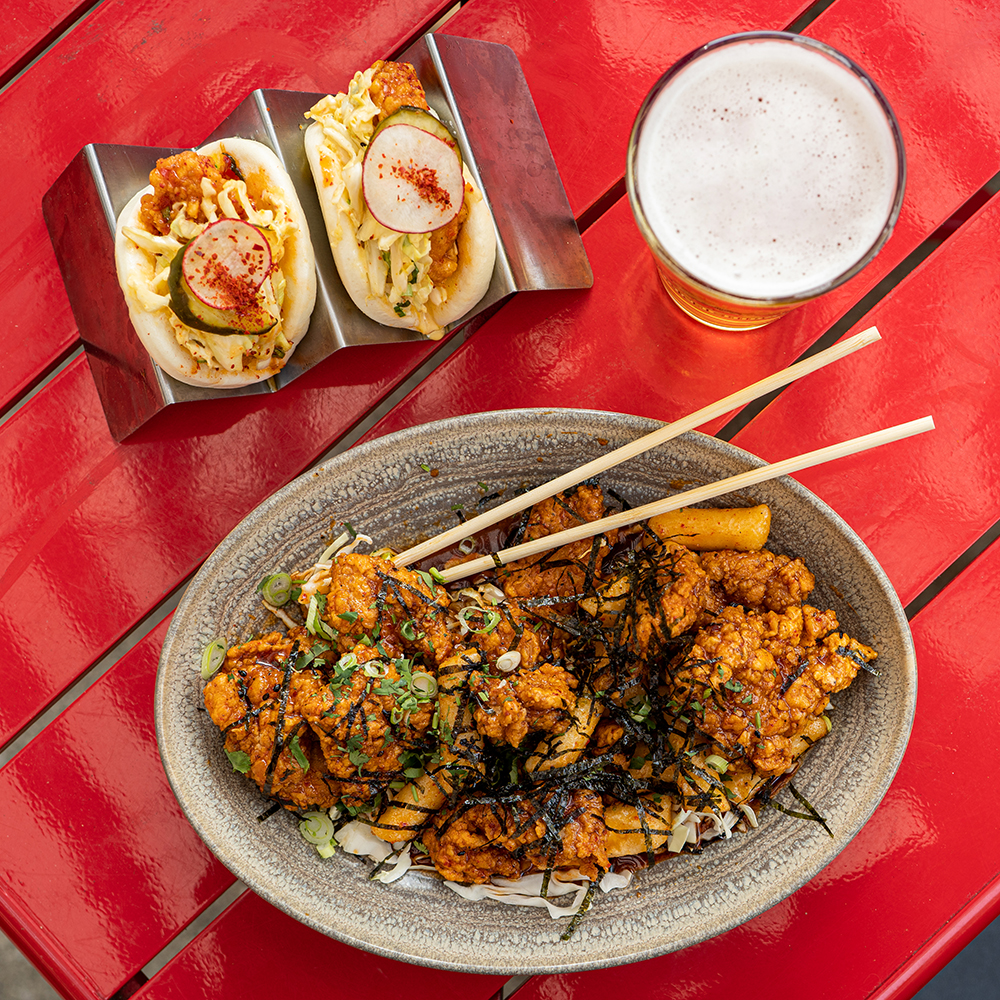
645	443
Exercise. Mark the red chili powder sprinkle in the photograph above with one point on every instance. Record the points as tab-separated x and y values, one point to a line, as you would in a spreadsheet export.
424	179
231	292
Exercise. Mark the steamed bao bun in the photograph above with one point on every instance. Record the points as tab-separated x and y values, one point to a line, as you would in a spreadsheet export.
267	199
377	264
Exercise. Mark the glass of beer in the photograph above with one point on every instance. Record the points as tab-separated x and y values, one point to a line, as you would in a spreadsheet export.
764	169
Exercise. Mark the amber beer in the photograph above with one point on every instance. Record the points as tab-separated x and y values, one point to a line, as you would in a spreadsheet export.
764	169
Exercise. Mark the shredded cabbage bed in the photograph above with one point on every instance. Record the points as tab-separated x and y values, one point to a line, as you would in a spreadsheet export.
562	894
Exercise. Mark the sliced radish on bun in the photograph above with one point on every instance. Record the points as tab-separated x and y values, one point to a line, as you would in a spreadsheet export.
411	180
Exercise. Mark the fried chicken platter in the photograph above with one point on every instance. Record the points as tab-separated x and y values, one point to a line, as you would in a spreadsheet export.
650	740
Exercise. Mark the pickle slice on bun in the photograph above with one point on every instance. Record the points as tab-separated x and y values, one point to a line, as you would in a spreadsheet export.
411	234
216	264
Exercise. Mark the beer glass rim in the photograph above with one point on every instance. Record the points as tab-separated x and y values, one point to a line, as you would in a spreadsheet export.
753	36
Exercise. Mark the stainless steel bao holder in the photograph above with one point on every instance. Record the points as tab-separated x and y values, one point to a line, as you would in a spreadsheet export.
478	90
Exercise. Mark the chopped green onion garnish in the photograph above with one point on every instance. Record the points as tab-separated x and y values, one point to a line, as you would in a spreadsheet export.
717	763
491	618
212	658
276	589
316	828
300	757
347	662
314	623
423	685
326	850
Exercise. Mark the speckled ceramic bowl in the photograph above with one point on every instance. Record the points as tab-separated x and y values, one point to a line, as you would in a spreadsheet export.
383	490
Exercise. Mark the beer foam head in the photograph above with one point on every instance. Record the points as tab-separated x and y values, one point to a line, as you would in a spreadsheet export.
766	169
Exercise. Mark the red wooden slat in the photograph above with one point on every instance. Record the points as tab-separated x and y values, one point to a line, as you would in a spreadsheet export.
99	868
157	74
622	345
960	930
222	962
29	27
880	904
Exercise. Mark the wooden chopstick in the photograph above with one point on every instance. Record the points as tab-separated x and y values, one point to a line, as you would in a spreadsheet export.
688	498
637	447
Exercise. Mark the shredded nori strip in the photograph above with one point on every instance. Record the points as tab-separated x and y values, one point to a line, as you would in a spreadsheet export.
580	913
810	814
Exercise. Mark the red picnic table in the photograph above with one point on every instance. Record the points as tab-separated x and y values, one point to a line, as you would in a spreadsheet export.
101	874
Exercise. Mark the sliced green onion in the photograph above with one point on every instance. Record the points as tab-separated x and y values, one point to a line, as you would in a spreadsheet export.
212	658
829	724
466	545
276	589
326	850
407	631
717	763
300	757
376	669
316	828
491	618
314	623
347	662
423	685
